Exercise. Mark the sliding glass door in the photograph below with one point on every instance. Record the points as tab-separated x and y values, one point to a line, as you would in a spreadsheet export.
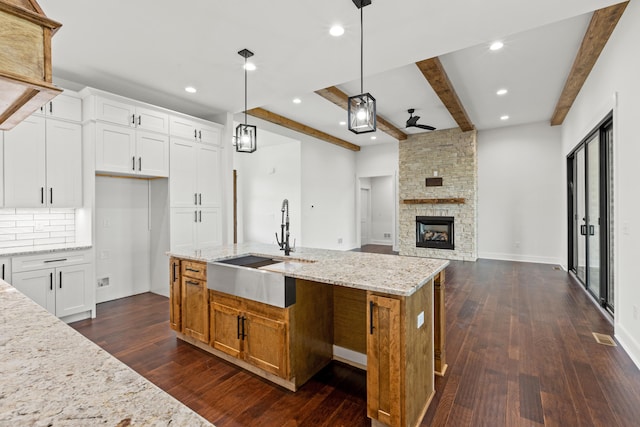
589	232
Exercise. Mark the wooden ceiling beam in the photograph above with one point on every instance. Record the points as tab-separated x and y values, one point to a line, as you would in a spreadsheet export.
340	98
277	119
602	24
434	72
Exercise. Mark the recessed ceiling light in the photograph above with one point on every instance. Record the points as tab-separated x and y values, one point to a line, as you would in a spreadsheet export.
297	100
343	123
190	89
250	66
336	31
496	45
374	137
501	92
505	117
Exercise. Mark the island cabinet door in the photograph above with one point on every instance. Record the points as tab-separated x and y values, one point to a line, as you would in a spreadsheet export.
175	295
265	344
195	308
384	360
226	328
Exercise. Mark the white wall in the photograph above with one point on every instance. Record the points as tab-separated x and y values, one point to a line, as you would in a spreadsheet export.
122	237
265	178
520	204
382	207
616	72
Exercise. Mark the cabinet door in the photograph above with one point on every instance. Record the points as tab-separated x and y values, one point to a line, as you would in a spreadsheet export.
72	295
209	135
195	309
152	154
266	343
24	164
152	120
383	360
38	285
226	329
114	112
182	229
208	178
183	128
64	164
175	295
5	269
182	172
1	168
64	107
115	149
209	229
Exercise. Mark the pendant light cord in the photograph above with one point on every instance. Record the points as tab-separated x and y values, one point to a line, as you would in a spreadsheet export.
361	53
245	90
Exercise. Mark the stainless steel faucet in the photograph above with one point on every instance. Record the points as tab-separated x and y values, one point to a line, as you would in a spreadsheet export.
283	242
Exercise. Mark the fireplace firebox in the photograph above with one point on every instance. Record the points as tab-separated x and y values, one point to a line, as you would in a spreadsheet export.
435	232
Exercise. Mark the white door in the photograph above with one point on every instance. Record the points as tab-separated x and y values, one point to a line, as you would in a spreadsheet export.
209	135
64	164
152	151
64	107
24	164
182	185
115	149
183	224
183	128
71	289
208	179
115	112
365	224
209	231
153	120
38	285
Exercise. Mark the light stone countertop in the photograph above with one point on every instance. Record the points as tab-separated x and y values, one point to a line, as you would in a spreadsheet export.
35	250
51	375
389	274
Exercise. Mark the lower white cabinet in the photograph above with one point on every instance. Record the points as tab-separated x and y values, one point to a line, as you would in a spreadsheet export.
5	269
61	282
195	228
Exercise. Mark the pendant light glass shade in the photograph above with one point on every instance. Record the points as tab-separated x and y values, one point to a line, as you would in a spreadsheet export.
246	138
361	109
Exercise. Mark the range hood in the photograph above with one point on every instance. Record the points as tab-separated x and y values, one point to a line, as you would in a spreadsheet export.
25	60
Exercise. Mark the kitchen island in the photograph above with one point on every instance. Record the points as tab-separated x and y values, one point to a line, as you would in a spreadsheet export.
389	308
52	375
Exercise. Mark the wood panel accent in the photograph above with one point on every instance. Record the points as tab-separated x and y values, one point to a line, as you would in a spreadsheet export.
385	372
341	99
603	22
350	318
311	329
194	269
266	343
175	292
434	72
195	300
439	327
277	119
452	201
224	323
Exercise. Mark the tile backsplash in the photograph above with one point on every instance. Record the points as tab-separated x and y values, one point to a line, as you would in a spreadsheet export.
39	227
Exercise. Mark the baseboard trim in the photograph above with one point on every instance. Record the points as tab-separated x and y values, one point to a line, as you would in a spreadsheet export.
519	258
627	342
350	357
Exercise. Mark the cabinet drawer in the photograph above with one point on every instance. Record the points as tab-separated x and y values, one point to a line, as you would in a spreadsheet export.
194	269
52	260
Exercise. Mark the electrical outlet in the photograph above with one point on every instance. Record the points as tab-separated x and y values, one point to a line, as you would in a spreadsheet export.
339	240
635	312
387	235
420	319
516	245
103	281
104	254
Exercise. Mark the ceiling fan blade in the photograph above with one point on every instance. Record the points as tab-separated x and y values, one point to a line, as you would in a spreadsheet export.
427	127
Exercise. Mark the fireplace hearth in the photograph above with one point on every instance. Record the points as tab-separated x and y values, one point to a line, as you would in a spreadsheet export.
435	232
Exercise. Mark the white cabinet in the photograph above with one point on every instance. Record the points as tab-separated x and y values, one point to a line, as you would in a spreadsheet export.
192	130
60	282
195	228
64	107
123	150
195	174
43	164
127	114
5	269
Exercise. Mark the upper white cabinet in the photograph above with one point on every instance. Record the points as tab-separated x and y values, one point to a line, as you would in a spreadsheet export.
126	114
193	130
43	164
195	175
124	150
64	106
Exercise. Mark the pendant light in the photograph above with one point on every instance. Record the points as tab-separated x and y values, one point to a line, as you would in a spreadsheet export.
246	134
362	108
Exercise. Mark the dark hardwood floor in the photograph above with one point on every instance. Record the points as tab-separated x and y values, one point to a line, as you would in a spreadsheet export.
519	348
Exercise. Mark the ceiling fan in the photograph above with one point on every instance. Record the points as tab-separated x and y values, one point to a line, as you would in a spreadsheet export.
412	121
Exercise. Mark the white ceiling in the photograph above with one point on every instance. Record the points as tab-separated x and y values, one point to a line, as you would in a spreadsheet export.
150	50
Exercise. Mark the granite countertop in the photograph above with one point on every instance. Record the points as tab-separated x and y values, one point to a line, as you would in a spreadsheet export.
390	274
35	250
53	376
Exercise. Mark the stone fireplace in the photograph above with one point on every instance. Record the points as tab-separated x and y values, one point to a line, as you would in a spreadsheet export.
438	217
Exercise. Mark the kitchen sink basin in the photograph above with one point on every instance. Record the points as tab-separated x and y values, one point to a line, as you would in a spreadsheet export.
242	277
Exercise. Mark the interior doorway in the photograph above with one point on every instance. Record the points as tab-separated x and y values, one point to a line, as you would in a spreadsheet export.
589	179
377	211
365	216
